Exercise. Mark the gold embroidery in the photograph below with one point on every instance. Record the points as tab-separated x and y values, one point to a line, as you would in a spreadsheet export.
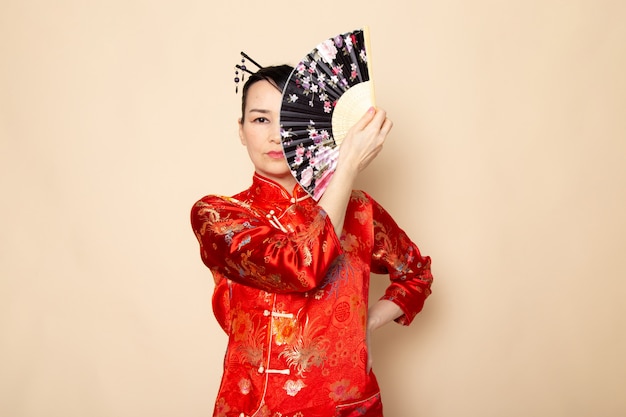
309	349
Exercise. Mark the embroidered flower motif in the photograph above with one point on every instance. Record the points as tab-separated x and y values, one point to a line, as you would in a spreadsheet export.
221	408
244	386
309	349
293	387
349	242
283	329
361	216
241	326
251	336
342	391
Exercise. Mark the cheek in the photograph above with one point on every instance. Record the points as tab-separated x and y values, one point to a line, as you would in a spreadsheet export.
252	135
247	135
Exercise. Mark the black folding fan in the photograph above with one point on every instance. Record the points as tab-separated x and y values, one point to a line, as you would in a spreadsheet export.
327	93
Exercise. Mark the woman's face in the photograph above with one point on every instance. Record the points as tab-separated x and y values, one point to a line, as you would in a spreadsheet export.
259	131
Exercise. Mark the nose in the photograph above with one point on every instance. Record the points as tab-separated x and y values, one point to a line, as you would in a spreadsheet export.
275	137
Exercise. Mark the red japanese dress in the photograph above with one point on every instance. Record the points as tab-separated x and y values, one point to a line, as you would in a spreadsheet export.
292	297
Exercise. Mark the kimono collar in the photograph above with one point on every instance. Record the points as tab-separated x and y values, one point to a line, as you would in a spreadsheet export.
267	190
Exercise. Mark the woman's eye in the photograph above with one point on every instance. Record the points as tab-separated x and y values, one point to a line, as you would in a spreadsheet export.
261	120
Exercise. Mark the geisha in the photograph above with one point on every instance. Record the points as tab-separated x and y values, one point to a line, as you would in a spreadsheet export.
292	274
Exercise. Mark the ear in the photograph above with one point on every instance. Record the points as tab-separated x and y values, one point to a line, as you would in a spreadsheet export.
241	137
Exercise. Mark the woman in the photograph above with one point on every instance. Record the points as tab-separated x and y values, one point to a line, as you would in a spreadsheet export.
292	275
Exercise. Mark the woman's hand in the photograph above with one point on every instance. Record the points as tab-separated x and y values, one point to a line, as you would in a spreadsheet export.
364	141
381	313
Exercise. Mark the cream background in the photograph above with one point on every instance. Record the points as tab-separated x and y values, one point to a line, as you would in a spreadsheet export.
506	165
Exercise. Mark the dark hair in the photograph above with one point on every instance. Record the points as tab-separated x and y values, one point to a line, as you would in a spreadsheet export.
276	75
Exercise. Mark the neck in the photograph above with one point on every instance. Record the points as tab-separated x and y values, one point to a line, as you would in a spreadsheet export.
288	183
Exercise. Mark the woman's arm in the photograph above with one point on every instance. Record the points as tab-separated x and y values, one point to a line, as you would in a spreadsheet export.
244	246
362	144
381	313
395	254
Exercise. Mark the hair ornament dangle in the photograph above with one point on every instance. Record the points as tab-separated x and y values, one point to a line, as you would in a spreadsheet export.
243	69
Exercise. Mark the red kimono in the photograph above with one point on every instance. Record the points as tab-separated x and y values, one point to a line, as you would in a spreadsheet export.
293	298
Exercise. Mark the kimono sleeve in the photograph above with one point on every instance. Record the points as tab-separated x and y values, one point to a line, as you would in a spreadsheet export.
238	243
409	271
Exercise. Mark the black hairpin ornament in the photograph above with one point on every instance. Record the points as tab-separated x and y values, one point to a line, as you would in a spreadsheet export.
243	69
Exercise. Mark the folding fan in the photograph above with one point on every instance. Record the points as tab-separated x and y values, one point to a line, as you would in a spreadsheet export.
326	94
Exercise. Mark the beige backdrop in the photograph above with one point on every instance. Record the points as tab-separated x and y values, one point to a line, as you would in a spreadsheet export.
506	165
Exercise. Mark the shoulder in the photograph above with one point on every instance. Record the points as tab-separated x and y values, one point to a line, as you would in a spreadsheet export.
240	199
212	205
217	200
